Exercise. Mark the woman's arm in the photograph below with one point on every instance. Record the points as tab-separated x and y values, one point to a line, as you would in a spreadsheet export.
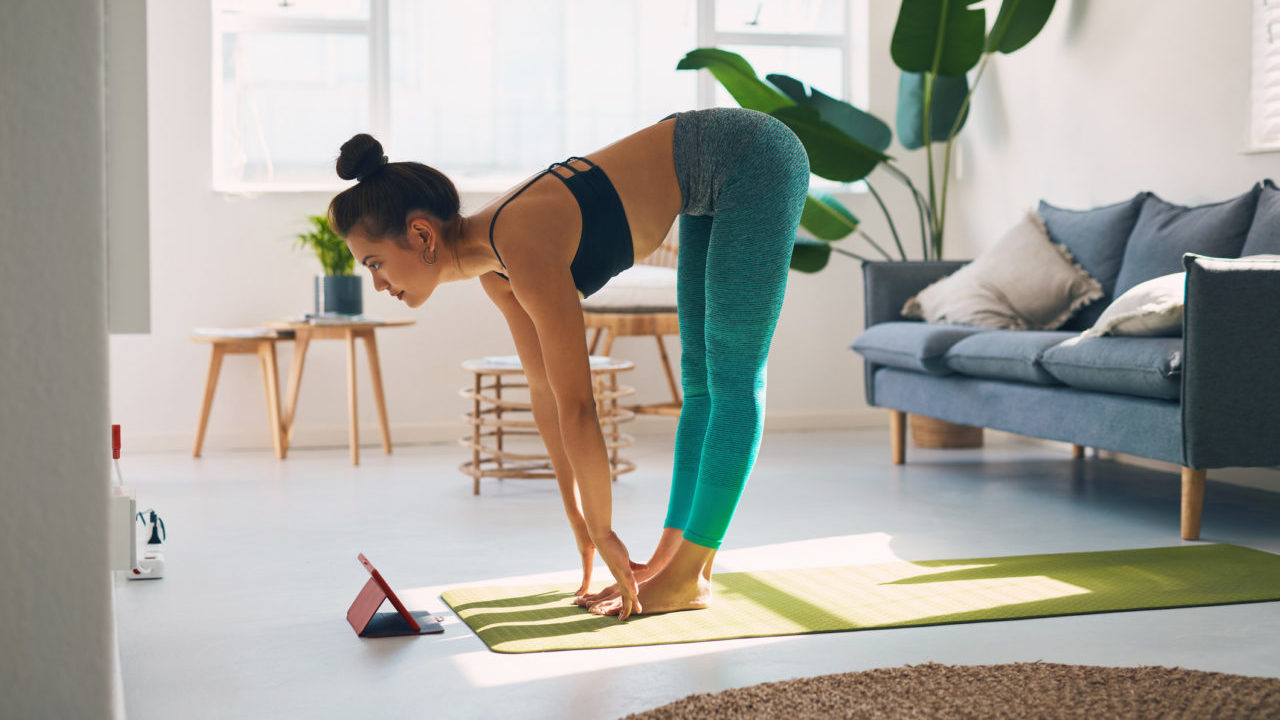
544	413
549	297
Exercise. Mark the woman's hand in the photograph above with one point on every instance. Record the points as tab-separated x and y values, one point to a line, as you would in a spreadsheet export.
619	562
642	572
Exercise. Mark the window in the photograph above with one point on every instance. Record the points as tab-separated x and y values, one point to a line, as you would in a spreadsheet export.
487	91
1264	123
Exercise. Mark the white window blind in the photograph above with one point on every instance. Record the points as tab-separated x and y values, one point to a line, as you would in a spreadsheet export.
489	91
1265	117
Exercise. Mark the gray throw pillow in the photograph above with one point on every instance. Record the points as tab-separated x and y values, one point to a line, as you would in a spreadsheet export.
1024	282
1264	233
1096	238
1164	232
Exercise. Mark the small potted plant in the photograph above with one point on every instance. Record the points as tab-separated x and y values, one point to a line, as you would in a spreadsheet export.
338	290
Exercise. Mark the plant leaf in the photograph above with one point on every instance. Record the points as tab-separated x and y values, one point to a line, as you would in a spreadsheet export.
809	255
833	154
737	76
826	218
1017	24
948	98
950	28
330	249
861	126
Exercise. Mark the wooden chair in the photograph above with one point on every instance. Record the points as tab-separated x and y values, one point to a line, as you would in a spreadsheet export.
655	319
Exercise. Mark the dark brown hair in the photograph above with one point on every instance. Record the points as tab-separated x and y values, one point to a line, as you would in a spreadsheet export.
387	192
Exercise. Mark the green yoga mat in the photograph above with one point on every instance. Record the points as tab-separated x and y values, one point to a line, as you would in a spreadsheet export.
884	595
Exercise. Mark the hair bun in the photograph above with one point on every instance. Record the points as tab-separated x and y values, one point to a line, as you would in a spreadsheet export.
361	155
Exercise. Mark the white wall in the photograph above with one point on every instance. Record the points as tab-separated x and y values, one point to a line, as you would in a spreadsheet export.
55	614
228	261
1112	98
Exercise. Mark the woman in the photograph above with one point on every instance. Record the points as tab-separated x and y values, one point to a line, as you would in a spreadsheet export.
738	180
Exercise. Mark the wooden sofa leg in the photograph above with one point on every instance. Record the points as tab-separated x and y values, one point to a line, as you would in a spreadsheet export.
898	435
1192	502
1077	451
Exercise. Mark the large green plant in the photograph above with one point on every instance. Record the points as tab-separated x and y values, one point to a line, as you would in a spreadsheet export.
330	249
934	43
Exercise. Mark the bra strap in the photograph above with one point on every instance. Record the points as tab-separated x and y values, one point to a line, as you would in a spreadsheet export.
494	219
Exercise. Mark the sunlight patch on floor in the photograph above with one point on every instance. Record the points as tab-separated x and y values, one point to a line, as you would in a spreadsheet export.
858	549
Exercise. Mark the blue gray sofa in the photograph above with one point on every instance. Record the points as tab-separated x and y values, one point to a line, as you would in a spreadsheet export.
1207	399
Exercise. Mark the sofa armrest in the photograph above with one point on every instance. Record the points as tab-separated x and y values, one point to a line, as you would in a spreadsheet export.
1231	364
887	285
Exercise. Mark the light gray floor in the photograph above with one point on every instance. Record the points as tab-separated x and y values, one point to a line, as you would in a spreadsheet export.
250	620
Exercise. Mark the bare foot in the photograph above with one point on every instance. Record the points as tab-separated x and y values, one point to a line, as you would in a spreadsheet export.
667	547
683	584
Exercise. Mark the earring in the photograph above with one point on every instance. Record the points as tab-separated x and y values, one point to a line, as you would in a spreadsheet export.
432	261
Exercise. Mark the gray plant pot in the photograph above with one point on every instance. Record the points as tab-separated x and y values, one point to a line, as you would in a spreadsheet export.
338	294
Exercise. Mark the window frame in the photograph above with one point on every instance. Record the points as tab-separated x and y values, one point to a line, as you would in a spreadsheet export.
374	27
852	43
852	38
1262	33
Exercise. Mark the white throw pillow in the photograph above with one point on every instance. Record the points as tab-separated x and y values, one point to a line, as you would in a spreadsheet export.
1024	282
1148	309
638	289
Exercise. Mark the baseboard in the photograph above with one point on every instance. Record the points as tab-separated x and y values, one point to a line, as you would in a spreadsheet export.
839	419
117	668
408	434
1260	478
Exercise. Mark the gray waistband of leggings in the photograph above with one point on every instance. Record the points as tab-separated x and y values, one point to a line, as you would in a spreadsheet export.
708	146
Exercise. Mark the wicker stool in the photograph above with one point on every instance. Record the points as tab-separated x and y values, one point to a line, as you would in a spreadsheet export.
495	420
254	341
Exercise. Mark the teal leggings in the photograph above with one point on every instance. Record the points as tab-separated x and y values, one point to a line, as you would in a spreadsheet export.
744	177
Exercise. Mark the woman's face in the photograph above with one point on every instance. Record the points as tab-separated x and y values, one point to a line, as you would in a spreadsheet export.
402	272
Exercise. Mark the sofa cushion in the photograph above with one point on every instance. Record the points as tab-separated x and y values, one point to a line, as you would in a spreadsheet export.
638	289
1096	239
1150	308
1023	282
1264	232
911	345
1164	232
1006	355
1142	366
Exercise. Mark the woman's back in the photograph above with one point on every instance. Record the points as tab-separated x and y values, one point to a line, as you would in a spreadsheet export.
642	171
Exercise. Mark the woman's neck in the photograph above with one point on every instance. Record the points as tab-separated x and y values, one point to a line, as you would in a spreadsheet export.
475	255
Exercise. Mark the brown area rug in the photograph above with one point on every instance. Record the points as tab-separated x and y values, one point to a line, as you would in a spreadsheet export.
1021	690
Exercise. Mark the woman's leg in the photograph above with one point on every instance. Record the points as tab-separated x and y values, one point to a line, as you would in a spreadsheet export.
744	275
695	237
747	265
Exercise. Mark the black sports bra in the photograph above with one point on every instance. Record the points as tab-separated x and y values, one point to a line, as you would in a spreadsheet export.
604	249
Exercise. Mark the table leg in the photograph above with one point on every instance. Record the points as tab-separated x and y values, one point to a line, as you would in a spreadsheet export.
210	384
351	396
475	437
301	340
271	384
375	372
613	414
497	414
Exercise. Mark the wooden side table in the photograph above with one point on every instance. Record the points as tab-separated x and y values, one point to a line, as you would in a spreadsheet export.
348	330
496	420
246	341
